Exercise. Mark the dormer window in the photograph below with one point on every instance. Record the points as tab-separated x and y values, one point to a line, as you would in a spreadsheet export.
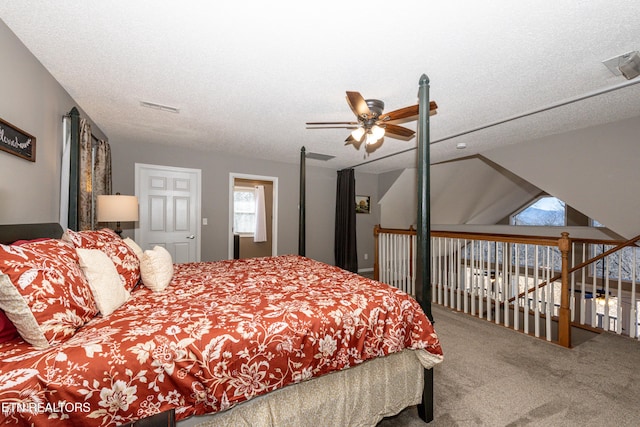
544	211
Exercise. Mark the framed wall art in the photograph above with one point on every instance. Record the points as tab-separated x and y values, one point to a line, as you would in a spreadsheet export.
17	142
363	204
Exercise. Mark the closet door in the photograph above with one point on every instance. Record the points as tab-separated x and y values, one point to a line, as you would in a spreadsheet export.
169	200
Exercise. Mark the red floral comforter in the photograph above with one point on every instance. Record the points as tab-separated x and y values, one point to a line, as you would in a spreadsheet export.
222	333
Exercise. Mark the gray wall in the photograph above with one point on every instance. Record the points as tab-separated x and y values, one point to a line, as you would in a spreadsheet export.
216	167
367	185
32	100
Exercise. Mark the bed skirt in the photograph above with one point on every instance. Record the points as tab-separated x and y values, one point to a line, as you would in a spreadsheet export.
360	396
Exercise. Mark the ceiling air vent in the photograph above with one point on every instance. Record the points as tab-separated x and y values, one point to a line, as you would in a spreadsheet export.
627	65
318	156
160	107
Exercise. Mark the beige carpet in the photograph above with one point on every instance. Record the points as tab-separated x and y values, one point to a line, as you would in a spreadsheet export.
493	376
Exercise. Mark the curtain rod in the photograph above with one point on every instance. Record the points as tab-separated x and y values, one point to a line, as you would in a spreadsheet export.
512	118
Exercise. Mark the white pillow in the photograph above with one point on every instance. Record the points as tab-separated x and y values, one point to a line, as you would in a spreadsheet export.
156	268
105	282
134	247
20	314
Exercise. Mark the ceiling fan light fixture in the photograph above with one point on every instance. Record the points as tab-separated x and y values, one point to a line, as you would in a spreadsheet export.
357	133
372	127
375	106
371	138
377	131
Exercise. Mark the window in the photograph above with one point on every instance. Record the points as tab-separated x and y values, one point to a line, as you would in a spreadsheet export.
547	210
244	210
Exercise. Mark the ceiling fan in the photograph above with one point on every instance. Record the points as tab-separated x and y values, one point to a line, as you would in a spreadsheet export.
372	124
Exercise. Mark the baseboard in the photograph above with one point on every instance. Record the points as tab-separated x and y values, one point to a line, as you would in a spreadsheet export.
365	270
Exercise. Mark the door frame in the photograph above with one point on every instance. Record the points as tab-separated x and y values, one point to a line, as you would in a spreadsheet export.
274	213
198	207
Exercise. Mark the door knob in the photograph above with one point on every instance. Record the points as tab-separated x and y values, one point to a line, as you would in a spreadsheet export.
191	237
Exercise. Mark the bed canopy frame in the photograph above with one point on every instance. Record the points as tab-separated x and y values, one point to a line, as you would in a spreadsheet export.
423	231
13	232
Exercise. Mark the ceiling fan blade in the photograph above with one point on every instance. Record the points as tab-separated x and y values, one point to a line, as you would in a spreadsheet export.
407	114
398	132
333	127
330	123
433	108
358	104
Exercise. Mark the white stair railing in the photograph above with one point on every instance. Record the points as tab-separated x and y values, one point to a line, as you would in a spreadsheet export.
508	279
604	293
396	261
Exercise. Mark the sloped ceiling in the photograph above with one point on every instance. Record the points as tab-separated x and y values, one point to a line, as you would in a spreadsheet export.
466	191
246	76
474	191
595	170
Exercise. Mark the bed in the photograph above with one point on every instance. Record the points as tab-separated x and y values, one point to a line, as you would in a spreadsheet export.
278	341
282	340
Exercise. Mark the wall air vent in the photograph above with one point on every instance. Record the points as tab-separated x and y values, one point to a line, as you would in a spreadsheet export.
318	156
160	107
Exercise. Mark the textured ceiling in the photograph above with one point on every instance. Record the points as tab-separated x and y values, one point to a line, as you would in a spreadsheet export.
247	75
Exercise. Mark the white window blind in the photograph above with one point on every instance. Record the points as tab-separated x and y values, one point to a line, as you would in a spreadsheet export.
244	210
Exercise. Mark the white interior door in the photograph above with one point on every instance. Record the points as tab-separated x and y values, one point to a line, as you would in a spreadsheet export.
169	200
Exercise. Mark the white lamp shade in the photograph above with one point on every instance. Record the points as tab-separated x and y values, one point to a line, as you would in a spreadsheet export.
371	139
377	131
117	208
357	133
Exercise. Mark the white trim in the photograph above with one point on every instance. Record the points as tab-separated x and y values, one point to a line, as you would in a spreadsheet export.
274	222
365	270
198	174
64	172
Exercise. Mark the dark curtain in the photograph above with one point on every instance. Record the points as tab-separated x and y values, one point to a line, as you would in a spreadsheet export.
89	173
345	249
85	175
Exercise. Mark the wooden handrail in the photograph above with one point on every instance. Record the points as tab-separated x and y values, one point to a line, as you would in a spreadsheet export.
377	230
507	238
579	266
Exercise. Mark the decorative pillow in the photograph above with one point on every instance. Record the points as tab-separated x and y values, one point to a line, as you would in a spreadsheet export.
122	256
48	277
156	267
18	312
8	330
134	247
22	242
104	280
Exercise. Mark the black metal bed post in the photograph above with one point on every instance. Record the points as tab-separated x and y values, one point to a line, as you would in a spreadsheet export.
301	208
425	409
424	207
74	168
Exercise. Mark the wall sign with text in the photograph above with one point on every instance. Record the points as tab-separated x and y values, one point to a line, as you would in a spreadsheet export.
17	142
